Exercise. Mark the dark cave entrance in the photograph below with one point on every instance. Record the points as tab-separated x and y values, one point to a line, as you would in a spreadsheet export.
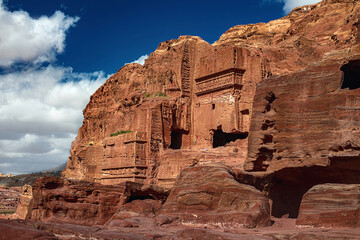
139	197
351	75
176	139
289	185
221	138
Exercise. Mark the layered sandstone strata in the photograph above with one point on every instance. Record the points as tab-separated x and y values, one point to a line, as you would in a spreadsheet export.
210	196
330	205
59	200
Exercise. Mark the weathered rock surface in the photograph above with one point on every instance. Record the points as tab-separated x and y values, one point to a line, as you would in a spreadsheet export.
279	102
19	230
59	200
210	196
9	200
300	38
156	109
272	95
330	205
136	208
148	230
25	202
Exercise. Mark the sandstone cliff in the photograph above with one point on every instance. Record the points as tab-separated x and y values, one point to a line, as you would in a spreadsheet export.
158	109
279	100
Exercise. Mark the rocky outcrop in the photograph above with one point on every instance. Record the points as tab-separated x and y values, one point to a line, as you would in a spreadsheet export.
293	128
330	205
210	196
5	175
59	200
146	123
21	231
142	115
311	130
300	38
134	209
25	202
276	102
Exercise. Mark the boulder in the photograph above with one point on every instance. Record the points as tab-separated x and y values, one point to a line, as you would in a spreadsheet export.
84	203
330	205
209	195
133	209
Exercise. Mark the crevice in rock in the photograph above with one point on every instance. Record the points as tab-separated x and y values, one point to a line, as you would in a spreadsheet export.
264	156
351	72
267	125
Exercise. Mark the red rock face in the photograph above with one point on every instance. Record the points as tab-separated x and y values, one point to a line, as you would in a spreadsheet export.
158	108
192	102
309	136
23	208
210	196
330	205
300	38
58	200
278	102
314	125
18	230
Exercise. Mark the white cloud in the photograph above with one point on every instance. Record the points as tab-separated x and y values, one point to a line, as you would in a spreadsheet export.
291	4
40	114
141	59
23	38
40	107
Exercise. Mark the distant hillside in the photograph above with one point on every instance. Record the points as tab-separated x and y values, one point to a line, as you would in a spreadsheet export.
58	169
22	179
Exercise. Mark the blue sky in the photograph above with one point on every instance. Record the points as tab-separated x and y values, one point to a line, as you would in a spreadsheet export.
55	53
112	32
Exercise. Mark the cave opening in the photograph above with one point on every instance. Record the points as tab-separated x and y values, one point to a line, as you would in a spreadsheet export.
139	197
289	185
221	138
351	72
176	139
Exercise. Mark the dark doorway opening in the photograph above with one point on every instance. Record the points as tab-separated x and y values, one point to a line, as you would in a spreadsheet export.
289	185
176	139
139	197
221	138
351	75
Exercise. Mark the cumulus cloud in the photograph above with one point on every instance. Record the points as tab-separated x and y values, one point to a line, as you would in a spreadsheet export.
289	5
141	59
23	38
40	106
40	114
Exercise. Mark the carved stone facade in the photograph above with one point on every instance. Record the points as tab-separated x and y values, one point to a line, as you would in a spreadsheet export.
162	130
